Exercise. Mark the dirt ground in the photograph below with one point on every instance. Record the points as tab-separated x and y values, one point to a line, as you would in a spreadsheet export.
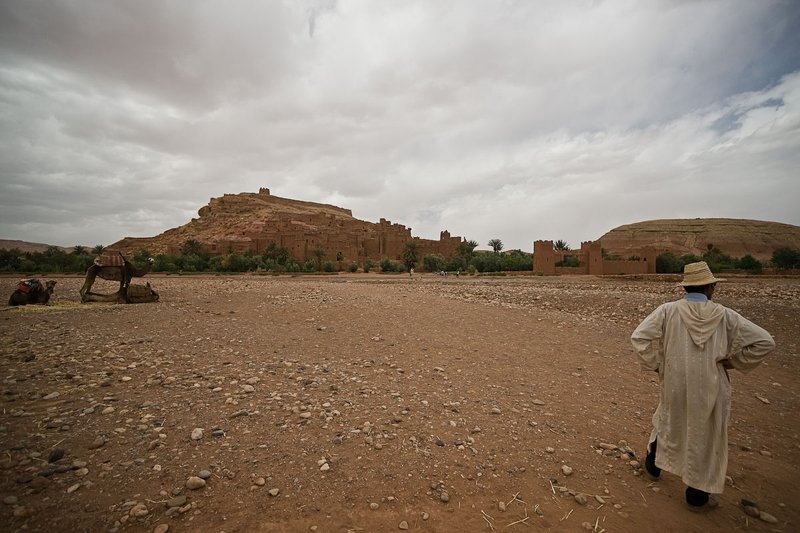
372	403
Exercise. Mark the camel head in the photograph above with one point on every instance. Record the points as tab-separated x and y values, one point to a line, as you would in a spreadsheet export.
50	285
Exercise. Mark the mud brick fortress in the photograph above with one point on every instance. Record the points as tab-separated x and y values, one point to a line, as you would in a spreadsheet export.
590	256
252	222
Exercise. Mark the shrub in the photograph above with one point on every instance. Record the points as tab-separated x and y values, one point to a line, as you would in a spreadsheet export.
352	268
668	263
749	263
368	264
433	263
327	266
786	258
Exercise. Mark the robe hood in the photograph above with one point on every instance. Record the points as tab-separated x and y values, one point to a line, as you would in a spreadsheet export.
701	319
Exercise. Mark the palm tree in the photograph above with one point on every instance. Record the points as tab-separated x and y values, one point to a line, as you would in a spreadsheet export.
78	250
319	253
98	250
561	246
192	247
410	254
497	245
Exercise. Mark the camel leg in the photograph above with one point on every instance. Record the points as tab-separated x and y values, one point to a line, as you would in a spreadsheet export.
91	275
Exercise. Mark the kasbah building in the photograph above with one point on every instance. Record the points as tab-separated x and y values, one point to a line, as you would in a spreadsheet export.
253	222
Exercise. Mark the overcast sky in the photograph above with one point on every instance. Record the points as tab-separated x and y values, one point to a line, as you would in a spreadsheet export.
517	120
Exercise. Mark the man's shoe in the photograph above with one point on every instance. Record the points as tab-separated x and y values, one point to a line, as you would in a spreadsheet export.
650	475
710	505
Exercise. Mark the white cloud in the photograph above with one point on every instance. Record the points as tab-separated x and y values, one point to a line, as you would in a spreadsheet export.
510	120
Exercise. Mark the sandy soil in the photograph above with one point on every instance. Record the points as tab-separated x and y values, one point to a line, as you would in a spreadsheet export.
371	403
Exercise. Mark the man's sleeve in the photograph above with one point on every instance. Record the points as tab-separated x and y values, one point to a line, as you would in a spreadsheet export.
751	345
646	340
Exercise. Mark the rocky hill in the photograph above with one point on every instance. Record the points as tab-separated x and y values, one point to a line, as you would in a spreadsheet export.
251	222
735	237
24	246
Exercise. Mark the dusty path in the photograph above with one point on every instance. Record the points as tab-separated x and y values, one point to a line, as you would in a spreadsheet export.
371	403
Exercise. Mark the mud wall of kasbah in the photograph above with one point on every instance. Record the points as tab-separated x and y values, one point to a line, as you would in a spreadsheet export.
590	256
251	222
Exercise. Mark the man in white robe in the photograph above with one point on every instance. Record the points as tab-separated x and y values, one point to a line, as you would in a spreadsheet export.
692	343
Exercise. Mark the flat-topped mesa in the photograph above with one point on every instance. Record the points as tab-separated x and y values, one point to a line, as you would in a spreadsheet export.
252	222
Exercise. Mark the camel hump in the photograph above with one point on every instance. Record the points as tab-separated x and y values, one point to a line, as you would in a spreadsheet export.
109	260
28	285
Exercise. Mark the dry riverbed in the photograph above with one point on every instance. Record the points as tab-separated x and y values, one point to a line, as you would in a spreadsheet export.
371	403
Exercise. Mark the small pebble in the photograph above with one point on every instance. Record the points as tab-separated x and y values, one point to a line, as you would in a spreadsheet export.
444	497
10	500
374	506
566	470
204	474
751	511
161	528
274	492
768	518
403	525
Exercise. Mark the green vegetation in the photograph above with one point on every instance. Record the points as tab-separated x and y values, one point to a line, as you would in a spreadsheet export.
497	245
410	254
276	259
786	258
669	263
561	246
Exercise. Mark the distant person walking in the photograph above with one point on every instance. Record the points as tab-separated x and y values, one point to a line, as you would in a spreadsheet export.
691	343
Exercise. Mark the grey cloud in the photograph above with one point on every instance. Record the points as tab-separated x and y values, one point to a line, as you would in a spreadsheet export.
513	120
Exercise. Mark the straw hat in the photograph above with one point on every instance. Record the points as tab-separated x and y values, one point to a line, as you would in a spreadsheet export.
697	274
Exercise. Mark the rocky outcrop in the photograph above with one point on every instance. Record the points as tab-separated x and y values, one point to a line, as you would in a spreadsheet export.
735	237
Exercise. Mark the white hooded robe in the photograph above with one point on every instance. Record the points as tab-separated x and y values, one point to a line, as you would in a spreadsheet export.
686	341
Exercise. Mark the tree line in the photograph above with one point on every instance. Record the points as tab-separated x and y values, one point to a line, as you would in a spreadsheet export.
277	259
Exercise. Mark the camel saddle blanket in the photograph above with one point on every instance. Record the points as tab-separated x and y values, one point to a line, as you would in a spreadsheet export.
139	291
109	260
29	285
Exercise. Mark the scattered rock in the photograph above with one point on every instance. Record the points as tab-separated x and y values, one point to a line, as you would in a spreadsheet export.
98	442
444	496
204	474
768	518
274	492
566	470
55	455
161	528
197	433
194	483
139	511
403	525
177	501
